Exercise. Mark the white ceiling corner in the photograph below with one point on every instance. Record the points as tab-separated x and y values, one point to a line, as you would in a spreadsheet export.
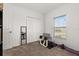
40	7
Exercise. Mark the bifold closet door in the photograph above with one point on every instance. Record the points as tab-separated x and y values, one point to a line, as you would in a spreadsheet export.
33	29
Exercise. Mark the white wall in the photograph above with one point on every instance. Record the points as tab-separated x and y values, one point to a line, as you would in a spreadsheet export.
72	30
14	16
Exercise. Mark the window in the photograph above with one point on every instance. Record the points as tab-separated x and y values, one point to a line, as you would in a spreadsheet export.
60	27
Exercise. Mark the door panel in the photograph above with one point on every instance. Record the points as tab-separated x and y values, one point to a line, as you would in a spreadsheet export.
33	30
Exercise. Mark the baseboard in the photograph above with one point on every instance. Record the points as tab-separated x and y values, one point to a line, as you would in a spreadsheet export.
32	42
68	49
71	50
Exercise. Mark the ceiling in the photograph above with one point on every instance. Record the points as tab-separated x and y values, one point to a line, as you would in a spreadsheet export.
41	7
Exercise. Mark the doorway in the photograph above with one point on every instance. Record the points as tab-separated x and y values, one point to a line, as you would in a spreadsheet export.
1	33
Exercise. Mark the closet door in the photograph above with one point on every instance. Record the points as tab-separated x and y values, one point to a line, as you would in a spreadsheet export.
33	30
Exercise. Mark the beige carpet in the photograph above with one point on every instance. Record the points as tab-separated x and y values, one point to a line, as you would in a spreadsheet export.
35	49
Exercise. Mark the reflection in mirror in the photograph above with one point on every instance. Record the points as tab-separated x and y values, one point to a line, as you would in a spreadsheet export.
60	27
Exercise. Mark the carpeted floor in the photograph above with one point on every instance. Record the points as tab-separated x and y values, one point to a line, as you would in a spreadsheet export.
35	49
